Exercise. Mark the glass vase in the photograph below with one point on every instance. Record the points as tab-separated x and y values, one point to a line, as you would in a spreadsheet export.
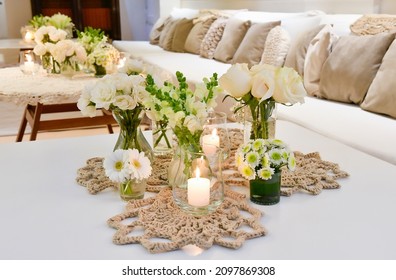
132	189
215	132
196	181
266	192
260	123
163	138
131	135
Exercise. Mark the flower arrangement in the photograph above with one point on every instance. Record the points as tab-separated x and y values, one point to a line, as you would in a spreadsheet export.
262	158
259	89
101	55
123	165
184	110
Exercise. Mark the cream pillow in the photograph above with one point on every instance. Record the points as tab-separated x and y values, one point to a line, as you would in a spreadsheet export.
352	66
196	35
381	96
298	49
317	53
233	34
212	38
167	33
276	47
252	46
182	29
155	32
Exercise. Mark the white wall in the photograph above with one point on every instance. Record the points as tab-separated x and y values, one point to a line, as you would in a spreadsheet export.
13	15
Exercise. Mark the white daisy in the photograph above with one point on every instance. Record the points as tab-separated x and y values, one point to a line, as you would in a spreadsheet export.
139	164
275	156
253	159
265	173
291	164
116	166
247	172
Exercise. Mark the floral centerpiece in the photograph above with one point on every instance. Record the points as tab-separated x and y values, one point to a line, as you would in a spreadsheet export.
260	161
130	168
102	56
259	89
184	110
59	21
123	95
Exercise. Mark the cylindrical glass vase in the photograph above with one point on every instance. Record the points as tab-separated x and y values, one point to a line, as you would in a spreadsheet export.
132	189
266	192
196	180
163	138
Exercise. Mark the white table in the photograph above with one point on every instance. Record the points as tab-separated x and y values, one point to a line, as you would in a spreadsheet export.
45	214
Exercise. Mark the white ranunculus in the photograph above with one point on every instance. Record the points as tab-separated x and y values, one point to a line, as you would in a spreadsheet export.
40	49
125	102
81	53
39	34
289	87
237	81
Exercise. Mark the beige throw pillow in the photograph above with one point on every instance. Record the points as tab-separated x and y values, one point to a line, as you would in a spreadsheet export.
233	35
155	32
167	33
252	46
196	35
298	49
352	66
381	95
182	29
212	38
276	47
317	53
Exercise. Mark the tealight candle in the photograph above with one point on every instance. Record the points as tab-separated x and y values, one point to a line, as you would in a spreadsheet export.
210	143
28	37
198	190
29	64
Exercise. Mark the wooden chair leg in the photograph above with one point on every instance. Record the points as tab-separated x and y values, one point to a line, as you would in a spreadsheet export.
22	126
36	121
110	129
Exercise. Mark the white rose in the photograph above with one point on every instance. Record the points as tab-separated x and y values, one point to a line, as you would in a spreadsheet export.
289	87
263	84
237	81
103	94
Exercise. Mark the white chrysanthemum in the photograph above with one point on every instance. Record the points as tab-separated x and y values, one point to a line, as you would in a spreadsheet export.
116	166
275	156
291	164
139	165
265	173
265	162
258	144
247	172
278	142
239	159
245	148
253	159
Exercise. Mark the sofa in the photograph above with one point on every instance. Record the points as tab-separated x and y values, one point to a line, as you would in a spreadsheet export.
345	60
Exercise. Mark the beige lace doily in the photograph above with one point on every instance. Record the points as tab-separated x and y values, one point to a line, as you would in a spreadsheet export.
160	218
374	24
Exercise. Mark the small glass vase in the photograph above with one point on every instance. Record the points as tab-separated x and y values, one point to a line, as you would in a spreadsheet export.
50	64
215	132
263	124
131	136
266	192
132	189
163	138
196	181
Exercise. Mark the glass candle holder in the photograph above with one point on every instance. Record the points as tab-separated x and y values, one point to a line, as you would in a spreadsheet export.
215	134
28	62
197	182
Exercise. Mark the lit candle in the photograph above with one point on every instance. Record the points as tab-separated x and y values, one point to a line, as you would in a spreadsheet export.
210	143
29	64
198	190
28	37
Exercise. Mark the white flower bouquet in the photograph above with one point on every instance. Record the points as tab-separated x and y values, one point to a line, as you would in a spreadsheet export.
260	158
260	88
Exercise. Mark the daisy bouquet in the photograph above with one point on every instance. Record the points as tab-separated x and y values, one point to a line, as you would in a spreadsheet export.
260	158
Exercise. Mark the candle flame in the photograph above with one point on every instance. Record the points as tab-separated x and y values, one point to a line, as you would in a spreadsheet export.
197	173
29	57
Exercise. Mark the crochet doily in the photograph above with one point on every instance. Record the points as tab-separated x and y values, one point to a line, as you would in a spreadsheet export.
374	24
160	218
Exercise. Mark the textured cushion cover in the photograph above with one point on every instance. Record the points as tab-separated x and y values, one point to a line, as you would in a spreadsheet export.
298	49
252	46
182	29
233	35
276	47
352	66
317	53
212	38
381	96
196	35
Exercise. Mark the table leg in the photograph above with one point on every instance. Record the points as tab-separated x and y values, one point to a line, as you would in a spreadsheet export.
36	121
23	124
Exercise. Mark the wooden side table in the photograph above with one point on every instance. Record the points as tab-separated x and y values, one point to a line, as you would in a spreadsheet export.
46	94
